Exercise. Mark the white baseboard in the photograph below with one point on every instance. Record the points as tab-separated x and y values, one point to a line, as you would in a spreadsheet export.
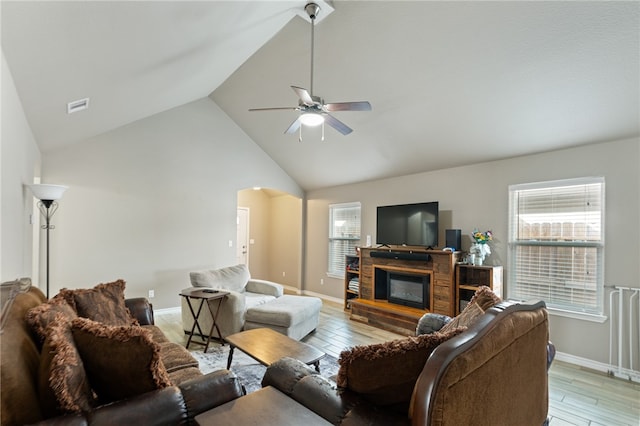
323	296
621	373
174	310
292	289
311	293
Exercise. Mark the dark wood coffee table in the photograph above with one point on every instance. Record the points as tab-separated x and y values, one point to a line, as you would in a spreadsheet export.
267	346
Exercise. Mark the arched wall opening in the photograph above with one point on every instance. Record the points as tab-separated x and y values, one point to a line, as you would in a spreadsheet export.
274	234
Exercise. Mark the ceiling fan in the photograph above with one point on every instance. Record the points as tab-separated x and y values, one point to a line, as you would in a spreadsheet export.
313	110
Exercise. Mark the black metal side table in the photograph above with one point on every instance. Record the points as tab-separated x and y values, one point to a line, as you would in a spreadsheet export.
209	296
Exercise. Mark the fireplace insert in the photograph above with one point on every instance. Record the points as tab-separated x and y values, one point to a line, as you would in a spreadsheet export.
408	289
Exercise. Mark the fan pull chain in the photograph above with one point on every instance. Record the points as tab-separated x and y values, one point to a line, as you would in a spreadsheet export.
322	139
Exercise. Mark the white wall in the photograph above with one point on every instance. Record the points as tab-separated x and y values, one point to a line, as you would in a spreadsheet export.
19	164
153	200
476	196
285	245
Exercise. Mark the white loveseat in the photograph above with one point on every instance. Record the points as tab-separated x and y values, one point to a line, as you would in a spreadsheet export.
252	303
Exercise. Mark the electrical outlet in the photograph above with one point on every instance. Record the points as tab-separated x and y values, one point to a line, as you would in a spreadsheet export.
284	273
321	281
152	294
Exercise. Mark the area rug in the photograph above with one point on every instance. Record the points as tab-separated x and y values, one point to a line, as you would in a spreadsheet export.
248	370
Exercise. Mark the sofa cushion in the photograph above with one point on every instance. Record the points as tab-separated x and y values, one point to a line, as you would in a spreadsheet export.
483	299
104	303
176	357
285	311
229	278
63	386
465	319
178	377
385	373
157	335
120	361
251	300
431	322
42	315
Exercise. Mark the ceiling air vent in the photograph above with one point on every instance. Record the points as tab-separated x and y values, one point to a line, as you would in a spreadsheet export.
78	105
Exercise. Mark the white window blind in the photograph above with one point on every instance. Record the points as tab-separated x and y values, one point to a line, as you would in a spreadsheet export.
344	235
556	244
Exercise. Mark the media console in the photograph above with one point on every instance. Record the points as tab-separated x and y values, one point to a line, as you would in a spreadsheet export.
437	266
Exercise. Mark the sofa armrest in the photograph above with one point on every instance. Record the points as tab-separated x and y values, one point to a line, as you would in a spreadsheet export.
230	318
155	408
141	310
65	420
169	406
264	287
551	354
296	380
338	406
206	392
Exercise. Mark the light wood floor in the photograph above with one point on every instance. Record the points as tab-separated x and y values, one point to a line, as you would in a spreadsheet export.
577	396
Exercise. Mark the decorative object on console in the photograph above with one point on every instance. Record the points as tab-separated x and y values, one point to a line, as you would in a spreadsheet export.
480	248
48	194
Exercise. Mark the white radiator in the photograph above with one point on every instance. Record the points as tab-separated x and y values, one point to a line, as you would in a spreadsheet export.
624	333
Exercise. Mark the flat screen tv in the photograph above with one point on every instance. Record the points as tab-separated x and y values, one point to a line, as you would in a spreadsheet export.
408	224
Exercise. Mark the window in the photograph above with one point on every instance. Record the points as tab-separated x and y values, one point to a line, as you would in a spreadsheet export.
344	235
556	244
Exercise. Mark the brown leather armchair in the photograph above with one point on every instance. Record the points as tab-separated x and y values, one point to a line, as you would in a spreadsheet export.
494	373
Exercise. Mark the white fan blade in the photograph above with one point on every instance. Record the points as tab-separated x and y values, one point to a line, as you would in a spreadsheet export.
337	124
294	126
348	106
273	109
304	96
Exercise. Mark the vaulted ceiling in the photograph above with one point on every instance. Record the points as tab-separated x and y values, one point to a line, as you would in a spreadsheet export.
451	83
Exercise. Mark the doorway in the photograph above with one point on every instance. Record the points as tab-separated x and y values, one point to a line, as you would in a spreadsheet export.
242	236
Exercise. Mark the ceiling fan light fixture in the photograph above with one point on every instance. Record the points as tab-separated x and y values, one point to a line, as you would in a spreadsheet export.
313	110
311	119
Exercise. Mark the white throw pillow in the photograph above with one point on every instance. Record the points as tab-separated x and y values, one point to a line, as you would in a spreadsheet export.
229	278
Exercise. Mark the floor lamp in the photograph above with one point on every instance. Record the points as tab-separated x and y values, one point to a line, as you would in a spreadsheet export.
48	194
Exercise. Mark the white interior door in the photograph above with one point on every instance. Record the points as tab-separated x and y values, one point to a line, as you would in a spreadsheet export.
242	237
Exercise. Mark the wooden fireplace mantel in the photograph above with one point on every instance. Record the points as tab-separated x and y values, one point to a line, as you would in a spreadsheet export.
440	265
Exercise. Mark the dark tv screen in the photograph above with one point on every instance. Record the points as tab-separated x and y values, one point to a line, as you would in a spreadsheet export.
408	224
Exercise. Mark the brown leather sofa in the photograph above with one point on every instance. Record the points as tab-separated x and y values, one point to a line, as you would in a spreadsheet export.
494	373
193	392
